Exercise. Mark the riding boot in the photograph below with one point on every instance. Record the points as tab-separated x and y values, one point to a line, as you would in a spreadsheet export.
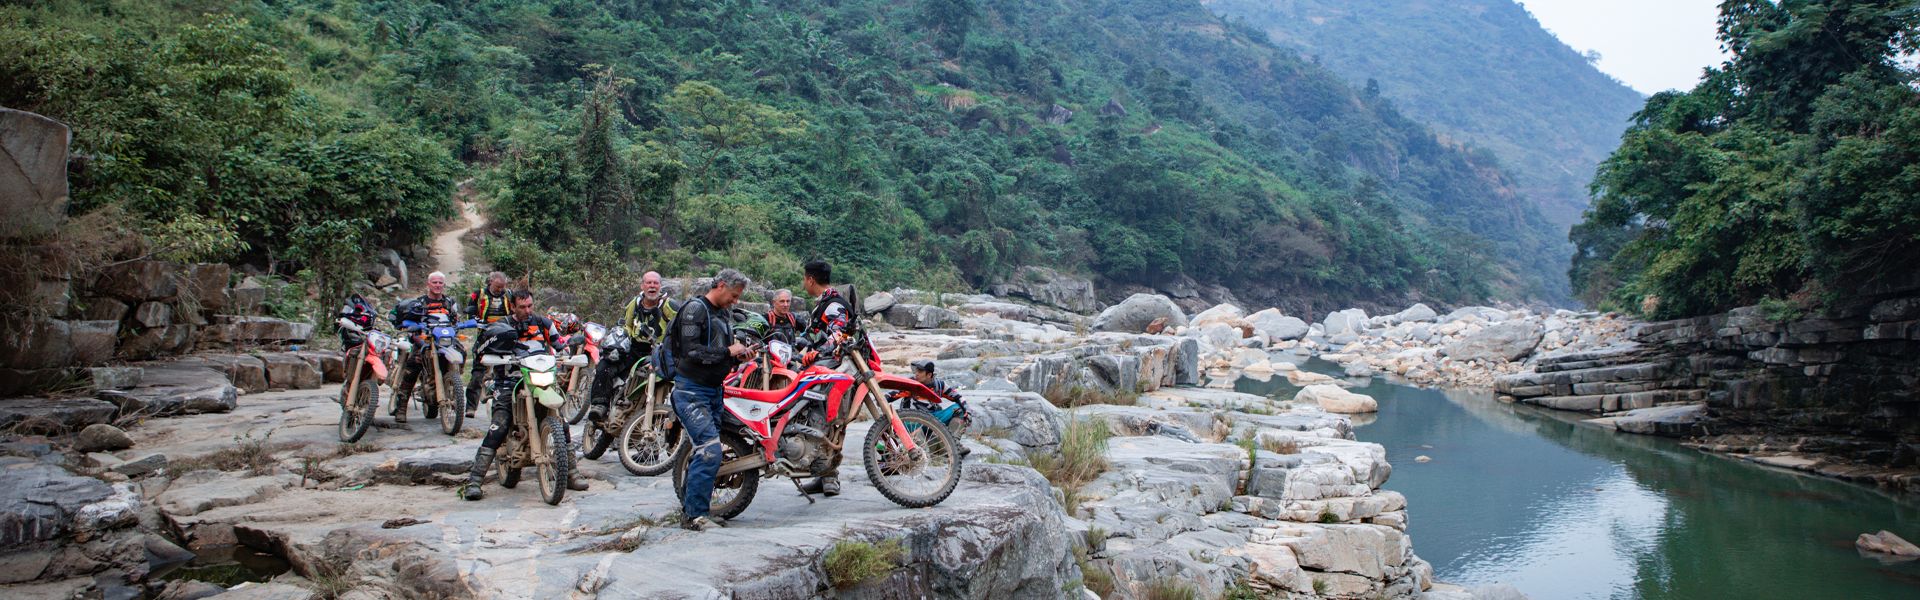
482	461
829	485
574	482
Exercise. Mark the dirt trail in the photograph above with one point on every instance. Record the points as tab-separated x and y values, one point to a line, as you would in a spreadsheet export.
450	255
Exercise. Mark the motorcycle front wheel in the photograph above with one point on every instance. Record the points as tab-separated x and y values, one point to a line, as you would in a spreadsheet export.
448	405
553	472
649	451
731	493
357	413
916	478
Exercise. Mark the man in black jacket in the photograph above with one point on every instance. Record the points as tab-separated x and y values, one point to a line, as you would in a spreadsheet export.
826	329
524	326
701	341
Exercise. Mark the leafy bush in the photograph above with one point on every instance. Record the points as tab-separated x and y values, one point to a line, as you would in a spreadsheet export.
851	562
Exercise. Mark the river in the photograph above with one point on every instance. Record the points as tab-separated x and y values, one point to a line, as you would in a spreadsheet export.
1516	494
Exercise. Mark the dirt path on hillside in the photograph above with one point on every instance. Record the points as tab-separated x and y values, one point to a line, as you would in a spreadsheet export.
449	253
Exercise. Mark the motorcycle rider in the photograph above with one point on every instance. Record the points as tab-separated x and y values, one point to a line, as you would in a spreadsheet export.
701	341
786	325
953	415
485	305
826	329
434	302
525	327
647	316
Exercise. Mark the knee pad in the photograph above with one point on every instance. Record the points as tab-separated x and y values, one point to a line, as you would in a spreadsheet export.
708	451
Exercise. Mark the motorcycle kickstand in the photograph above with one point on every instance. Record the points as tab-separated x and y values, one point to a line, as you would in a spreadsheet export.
803	490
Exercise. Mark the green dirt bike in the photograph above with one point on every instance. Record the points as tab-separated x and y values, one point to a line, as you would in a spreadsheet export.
539	435
641	418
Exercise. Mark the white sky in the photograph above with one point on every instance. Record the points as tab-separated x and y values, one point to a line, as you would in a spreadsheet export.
1652	45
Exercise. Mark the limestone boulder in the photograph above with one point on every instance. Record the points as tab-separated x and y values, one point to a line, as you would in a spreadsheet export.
1277	326
1333	399
1137	311
1351	321
288	370
33	173
1221	313
1042	285
53	415
101	437
140	281
1887	543
41	502
1025	418
35	343
93	342
1504	342
921	316
168	389
244	371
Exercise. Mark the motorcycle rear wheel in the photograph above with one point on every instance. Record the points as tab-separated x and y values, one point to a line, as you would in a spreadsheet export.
602	440
553	473
356	415
576	406
731	493
920	478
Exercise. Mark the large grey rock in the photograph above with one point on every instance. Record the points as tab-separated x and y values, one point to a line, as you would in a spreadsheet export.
921	316
1042	285
1677	420
153	314
93	342
289	371
1349	321
267	330
50	415
1025	418
156	342
1417	312
205	286
1225	314
200	491
244	371
35	343
168	389
33	174
879	302
1137	311
332	365
1505	341
1333	399
1277	326
115	378
40	502
139	281
101	437
104	309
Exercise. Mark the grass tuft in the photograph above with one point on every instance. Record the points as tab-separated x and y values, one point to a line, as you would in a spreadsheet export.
1170	589
852	562
1081	459
248	453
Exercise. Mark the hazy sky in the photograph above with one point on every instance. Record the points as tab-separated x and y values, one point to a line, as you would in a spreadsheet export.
1652	45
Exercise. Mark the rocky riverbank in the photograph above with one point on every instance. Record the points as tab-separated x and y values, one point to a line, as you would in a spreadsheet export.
1220	493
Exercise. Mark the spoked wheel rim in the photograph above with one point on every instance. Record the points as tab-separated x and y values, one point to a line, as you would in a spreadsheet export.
650	450
914	478
449	407
354	413
553	471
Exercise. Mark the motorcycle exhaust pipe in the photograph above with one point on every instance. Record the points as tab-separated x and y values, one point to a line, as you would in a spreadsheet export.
737	465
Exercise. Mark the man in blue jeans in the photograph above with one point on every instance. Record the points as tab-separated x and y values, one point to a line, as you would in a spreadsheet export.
703	352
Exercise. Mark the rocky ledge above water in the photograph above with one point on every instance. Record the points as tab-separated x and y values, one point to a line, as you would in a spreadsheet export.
1203	489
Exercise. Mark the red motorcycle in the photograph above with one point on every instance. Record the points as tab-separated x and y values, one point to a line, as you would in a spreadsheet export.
798	429
366	370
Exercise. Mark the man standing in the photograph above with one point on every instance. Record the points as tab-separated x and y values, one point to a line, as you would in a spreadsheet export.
526	327
434	302
826	329
646	322
485	305
781	321
703	350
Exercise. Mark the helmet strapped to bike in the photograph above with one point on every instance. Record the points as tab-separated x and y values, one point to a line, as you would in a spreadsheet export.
358	310
498	338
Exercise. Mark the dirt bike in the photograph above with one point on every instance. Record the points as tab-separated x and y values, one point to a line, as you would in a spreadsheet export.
440	375
367	369
539	437
797	430
641	418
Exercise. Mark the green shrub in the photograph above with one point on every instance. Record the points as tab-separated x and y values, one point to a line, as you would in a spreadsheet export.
851	562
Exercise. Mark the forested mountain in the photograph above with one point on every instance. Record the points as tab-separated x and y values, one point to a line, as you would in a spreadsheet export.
933	143
1481	71
1789	177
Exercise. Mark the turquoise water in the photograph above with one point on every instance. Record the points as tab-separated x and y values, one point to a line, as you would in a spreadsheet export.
1518	495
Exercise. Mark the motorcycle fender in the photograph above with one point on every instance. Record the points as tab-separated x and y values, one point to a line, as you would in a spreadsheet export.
548	397
453	356
379	367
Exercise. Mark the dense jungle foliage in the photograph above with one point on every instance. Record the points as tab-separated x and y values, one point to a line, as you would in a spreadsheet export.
937	143
1483	71
1788	177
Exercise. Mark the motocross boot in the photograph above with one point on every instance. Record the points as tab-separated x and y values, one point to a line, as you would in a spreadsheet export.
482	461
828	485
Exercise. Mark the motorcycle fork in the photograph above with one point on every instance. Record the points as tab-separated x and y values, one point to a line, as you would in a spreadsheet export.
877	406
353	382
536	447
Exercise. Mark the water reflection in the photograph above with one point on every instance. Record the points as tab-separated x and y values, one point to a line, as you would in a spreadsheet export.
1562	510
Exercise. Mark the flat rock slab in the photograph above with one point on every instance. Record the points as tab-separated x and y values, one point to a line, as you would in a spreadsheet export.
41	502
53	415
1679	420
243	370
168	389
290	371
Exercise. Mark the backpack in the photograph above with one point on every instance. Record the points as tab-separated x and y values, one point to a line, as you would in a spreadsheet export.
664	365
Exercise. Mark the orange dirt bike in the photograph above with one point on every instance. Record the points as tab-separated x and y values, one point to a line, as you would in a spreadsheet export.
366	370
797	429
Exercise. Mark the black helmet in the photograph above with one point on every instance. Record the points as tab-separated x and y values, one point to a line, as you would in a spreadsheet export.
357	310
498	338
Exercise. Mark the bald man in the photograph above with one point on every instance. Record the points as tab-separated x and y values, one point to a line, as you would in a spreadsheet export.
648	314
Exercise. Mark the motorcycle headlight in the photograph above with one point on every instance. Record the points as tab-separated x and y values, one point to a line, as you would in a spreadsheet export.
595	332
540	378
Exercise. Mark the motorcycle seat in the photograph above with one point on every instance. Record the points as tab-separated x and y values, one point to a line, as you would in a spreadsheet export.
767	396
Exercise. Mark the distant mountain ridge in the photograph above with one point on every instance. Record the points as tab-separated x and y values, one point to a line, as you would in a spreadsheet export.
1482	71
